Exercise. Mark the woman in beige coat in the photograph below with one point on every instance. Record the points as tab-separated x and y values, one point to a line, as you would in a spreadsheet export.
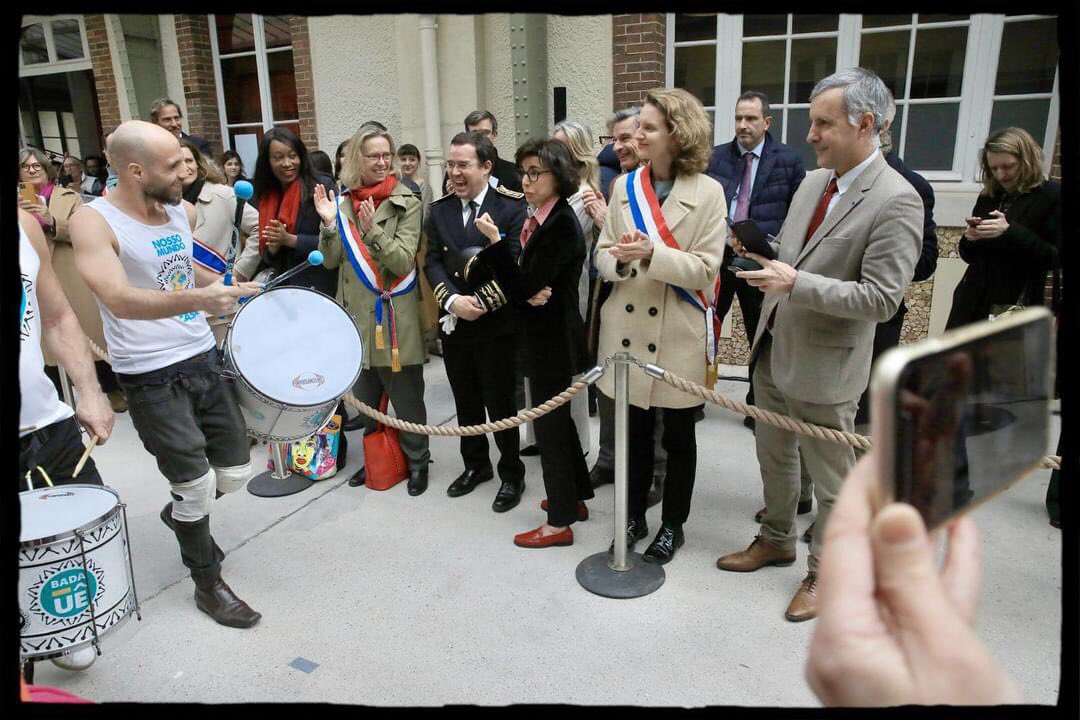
655	275
53	207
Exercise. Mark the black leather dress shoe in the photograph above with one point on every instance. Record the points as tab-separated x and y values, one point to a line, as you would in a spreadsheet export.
636	529
509	495
358	477
467	481
601	476
418	480
530	451
220	602
663	547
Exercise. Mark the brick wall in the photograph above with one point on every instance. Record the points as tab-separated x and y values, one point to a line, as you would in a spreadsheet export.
305	86
639	43
104	79
197	73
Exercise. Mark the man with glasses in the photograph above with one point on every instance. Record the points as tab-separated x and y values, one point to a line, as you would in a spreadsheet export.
477	326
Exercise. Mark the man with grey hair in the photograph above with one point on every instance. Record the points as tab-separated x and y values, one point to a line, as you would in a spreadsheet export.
166	113
845	254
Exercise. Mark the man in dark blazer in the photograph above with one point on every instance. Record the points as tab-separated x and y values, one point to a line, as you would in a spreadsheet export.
846	253
773	171
477	324
166	113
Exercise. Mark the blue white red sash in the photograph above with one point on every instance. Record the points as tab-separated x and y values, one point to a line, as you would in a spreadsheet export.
649	219
368	273
208	257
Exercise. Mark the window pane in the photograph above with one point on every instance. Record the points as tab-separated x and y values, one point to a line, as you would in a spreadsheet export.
939	62
798	124
941	18
282	85
811	60
240	80
293	127
695	26
763	69
814	23
757	25
278	33
33	45
246	141
1032	115
67	39
1029	56
234	33
695	72
887	55
931	136
873	21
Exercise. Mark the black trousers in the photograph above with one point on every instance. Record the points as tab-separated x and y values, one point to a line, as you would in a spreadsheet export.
750	299
680	442
56	450
481	378
887	335
566	476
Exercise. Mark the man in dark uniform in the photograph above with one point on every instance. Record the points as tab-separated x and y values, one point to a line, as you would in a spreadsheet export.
477	326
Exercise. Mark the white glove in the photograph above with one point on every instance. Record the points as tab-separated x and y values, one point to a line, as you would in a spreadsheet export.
448	322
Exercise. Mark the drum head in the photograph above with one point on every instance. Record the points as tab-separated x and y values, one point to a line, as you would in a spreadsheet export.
296	346
49	512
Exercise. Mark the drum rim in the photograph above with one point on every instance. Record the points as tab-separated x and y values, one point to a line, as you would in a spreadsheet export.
100	520
240	373
101	635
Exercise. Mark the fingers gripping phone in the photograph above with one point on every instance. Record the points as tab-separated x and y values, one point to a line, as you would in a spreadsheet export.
751	237
959	418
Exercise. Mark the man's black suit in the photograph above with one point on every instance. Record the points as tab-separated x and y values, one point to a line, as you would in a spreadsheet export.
479	354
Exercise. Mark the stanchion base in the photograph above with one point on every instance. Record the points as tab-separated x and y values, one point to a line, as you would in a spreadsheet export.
595	575
266	485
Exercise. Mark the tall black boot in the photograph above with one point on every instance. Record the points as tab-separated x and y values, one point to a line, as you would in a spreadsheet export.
200	554
170	522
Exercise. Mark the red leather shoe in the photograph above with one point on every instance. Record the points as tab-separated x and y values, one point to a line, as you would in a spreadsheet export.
582	510
533	538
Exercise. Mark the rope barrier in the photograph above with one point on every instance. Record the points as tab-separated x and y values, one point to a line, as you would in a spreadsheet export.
784	422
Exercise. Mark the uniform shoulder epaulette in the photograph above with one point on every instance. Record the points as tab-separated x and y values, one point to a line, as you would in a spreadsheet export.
503	190
449	194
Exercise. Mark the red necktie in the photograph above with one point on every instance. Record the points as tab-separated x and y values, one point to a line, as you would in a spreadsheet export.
815	222
820	211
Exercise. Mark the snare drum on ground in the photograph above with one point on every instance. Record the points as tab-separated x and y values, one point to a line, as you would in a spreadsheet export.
294	353
75	577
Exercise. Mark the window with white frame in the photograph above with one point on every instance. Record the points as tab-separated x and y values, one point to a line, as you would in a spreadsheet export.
53	44
253	66
954	77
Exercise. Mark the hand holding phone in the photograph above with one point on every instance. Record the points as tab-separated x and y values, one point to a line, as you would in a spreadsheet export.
750	237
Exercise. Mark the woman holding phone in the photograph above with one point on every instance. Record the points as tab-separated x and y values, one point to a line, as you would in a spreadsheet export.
1013	236
661	247
545	287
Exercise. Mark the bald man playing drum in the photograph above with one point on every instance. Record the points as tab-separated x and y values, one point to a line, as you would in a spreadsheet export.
134	249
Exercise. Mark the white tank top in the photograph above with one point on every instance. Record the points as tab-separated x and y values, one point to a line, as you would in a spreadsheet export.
155	257
41	406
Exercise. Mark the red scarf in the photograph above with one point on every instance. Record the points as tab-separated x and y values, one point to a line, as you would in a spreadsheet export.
272	206
377	192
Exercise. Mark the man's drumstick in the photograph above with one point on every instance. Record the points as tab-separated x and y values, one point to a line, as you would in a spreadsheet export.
86	455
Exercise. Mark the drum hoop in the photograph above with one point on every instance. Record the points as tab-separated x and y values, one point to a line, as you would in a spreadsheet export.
100	520
271	400
91	642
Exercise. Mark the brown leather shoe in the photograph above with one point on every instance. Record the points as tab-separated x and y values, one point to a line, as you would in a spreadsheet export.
755	557
804	605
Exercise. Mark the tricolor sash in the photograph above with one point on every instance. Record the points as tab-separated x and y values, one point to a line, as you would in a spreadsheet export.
208	257
649	219
368	272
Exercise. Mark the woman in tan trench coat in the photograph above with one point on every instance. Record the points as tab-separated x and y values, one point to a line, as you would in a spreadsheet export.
648	314
54	209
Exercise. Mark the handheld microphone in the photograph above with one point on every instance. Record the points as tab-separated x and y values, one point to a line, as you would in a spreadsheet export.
243	190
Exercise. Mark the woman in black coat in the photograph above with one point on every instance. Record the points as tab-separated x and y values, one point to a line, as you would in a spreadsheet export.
1013	237
544	284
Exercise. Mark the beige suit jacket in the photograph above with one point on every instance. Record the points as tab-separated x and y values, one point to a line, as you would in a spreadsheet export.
643	315
852	274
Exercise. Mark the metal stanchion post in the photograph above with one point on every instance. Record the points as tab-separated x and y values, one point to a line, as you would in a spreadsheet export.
279	481
621	574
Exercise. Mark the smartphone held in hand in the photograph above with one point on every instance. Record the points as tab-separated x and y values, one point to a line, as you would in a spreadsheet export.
751	237
958	418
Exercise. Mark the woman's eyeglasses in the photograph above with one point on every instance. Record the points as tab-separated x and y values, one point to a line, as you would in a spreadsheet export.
32	167
533	174
376	157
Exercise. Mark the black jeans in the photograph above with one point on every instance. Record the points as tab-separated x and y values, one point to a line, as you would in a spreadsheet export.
482	378
56	450
680	442
566	476
187	417
750	299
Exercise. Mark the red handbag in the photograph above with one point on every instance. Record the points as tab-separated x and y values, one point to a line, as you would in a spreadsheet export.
384	462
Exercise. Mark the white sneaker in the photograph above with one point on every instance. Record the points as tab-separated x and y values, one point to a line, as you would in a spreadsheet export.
78	660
